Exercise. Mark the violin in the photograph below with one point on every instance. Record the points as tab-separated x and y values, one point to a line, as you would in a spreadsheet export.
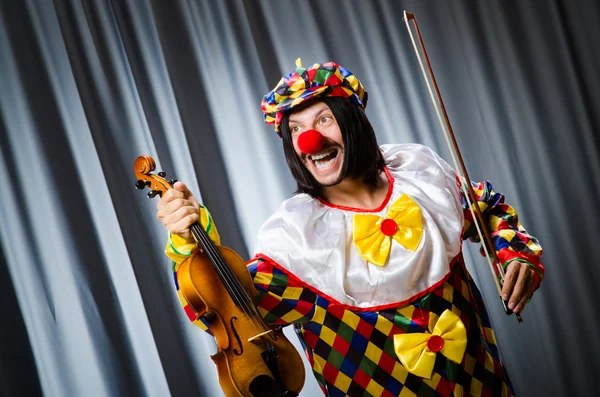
252	358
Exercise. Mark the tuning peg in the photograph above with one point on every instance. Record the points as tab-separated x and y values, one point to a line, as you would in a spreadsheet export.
153	193
140	184
172	181
162	174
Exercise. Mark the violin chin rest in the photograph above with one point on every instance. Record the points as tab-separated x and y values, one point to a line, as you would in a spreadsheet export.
265	386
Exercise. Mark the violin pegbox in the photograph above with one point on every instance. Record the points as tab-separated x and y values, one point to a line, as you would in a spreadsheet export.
143	167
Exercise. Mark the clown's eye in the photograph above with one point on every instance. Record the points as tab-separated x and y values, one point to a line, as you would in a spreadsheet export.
324	119
294	128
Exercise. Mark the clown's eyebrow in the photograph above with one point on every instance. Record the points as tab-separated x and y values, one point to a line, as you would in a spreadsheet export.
316	117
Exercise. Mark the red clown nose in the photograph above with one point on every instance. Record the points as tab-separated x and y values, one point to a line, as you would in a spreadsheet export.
310	141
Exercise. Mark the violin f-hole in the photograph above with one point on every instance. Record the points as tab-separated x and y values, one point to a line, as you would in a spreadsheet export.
237	337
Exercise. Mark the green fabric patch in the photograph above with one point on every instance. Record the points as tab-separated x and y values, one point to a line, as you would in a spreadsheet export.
345	332
367	366
426	391
335	358
321	76
388	347
452	370
402	322
279	279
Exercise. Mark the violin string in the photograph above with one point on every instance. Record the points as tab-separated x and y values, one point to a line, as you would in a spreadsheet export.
229	280
233	283
217	259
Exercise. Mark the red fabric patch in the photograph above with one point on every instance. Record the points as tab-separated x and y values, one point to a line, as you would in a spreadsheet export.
386	362
340	345
330	372
304	307
502	225
190	312
336	310
310	338
361	378
365	329
333	80
421	317
268	302
338	91
293	78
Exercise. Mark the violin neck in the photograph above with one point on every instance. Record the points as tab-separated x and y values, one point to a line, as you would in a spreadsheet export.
230	281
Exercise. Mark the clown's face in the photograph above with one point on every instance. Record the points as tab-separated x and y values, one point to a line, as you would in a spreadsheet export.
325	165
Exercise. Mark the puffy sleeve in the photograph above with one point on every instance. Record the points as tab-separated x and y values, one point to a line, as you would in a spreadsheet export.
511	240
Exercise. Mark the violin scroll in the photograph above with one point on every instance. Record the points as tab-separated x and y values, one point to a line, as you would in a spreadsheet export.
143	167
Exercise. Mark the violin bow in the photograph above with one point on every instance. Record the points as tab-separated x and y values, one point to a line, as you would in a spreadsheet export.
480	225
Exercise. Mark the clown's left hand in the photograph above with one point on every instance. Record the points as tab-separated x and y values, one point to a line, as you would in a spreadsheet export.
518	285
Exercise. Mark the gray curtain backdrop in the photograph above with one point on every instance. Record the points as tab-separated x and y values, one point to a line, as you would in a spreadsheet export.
88	306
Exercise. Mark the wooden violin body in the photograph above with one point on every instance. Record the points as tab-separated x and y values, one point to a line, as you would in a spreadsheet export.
239	359
252	360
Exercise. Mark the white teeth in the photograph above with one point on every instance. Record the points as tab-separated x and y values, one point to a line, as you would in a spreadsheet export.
316	157
324	164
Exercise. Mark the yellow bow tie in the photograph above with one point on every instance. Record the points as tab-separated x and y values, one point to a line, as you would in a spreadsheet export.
417	351
373	234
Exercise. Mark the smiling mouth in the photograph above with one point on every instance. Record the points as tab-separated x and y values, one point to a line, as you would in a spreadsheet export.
324	159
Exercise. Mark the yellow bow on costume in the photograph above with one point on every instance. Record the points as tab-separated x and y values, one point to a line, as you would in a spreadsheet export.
373	234
417	351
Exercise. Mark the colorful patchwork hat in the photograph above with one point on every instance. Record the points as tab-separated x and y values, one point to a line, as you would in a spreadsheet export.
328	79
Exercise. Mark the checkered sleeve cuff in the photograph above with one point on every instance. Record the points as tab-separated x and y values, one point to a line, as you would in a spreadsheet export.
511	240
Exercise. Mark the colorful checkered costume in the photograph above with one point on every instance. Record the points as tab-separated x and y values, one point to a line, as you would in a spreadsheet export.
351	347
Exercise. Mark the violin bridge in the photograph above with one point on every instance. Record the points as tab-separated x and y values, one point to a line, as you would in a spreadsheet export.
259	335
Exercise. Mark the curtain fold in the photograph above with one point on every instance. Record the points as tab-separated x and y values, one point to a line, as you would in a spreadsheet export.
89	85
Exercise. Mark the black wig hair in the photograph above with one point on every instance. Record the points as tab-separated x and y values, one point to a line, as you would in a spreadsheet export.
362	156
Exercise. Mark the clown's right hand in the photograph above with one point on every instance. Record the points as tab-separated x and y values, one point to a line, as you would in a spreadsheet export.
178	210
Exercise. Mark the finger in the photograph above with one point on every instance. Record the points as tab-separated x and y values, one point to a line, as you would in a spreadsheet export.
521	305
531	284
521	287
510	277
170	207
182	227
525	299
175	216
181	187
170	195
174	206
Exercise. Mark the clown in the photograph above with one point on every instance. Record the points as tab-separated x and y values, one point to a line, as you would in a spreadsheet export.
364	261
